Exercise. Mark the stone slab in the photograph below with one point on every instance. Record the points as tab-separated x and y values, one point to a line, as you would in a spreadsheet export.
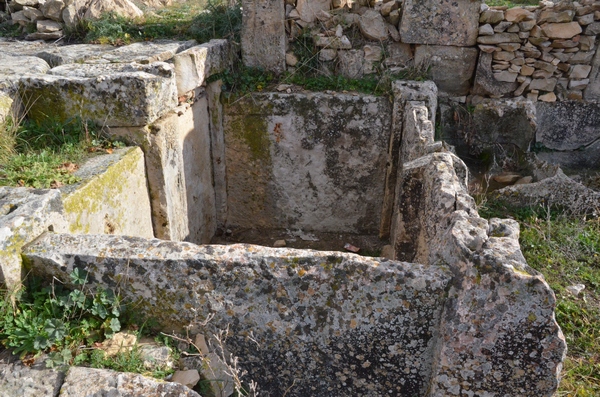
116	95
112	197
12	68
568	125
263	34
194	65
179	169
314	316
24	215
451	68
76	53
144	52
447	23
307	161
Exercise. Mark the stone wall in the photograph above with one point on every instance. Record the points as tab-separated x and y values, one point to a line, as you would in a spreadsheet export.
542	52
313	162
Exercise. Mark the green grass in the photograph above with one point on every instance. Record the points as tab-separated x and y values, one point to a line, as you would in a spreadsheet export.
46	155
566	250
199	19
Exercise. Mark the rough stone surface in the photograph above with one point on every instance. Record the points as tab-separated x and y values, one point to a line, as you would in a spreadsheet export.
103	382
508	123
308	9
486	83
372	25
124	8
451	68
559	190
36	381
492	282
339	324
12	67
431	22
263	34
592	92
193	66
133	95
568	125
24	215
112	186
179	167
312	162
76	53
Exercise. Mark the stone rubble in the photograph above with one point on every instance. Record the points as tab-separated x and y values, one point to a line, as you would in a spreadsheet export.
547	50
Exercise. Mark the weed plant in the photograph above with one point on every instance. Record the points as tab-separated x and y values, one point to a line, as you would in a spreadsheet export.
565	248
54	319
45	155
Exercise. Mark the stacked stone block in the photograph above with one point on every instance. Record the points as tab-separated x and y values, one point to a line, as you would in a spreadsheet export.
541	52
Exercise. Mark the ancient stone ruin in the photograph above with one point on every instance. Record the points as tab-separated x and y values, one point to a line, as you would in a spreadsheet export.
449	308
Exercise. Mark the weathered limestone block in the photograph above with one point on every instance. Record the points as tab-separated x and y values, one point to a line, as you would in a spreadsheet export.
559	190
313	315
592	92
52	9
430	22
492	281
76	53
16	379
193	66
508	123
110	95
372	25
561	30
313	162
519	348
14	67
568	125
82	381
308	9
112	197
179	168
486	83
144	53
451	68
124	8
404	93
263	34
24	215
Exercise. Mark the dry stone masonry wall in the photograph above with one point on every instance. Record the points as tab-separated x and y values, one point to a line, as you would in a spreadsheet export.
542	52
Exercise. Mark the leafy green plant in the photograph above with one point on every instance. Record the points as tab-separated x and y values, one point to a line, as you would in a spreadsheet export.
42	318
220	20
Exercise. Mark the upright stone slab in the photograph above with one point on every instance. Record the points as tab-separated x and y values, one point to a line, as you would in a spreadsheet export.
24	215
263	34
307	161
112	197
567	125
179	168
451	68
303	323
485	82
193	66
440	22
